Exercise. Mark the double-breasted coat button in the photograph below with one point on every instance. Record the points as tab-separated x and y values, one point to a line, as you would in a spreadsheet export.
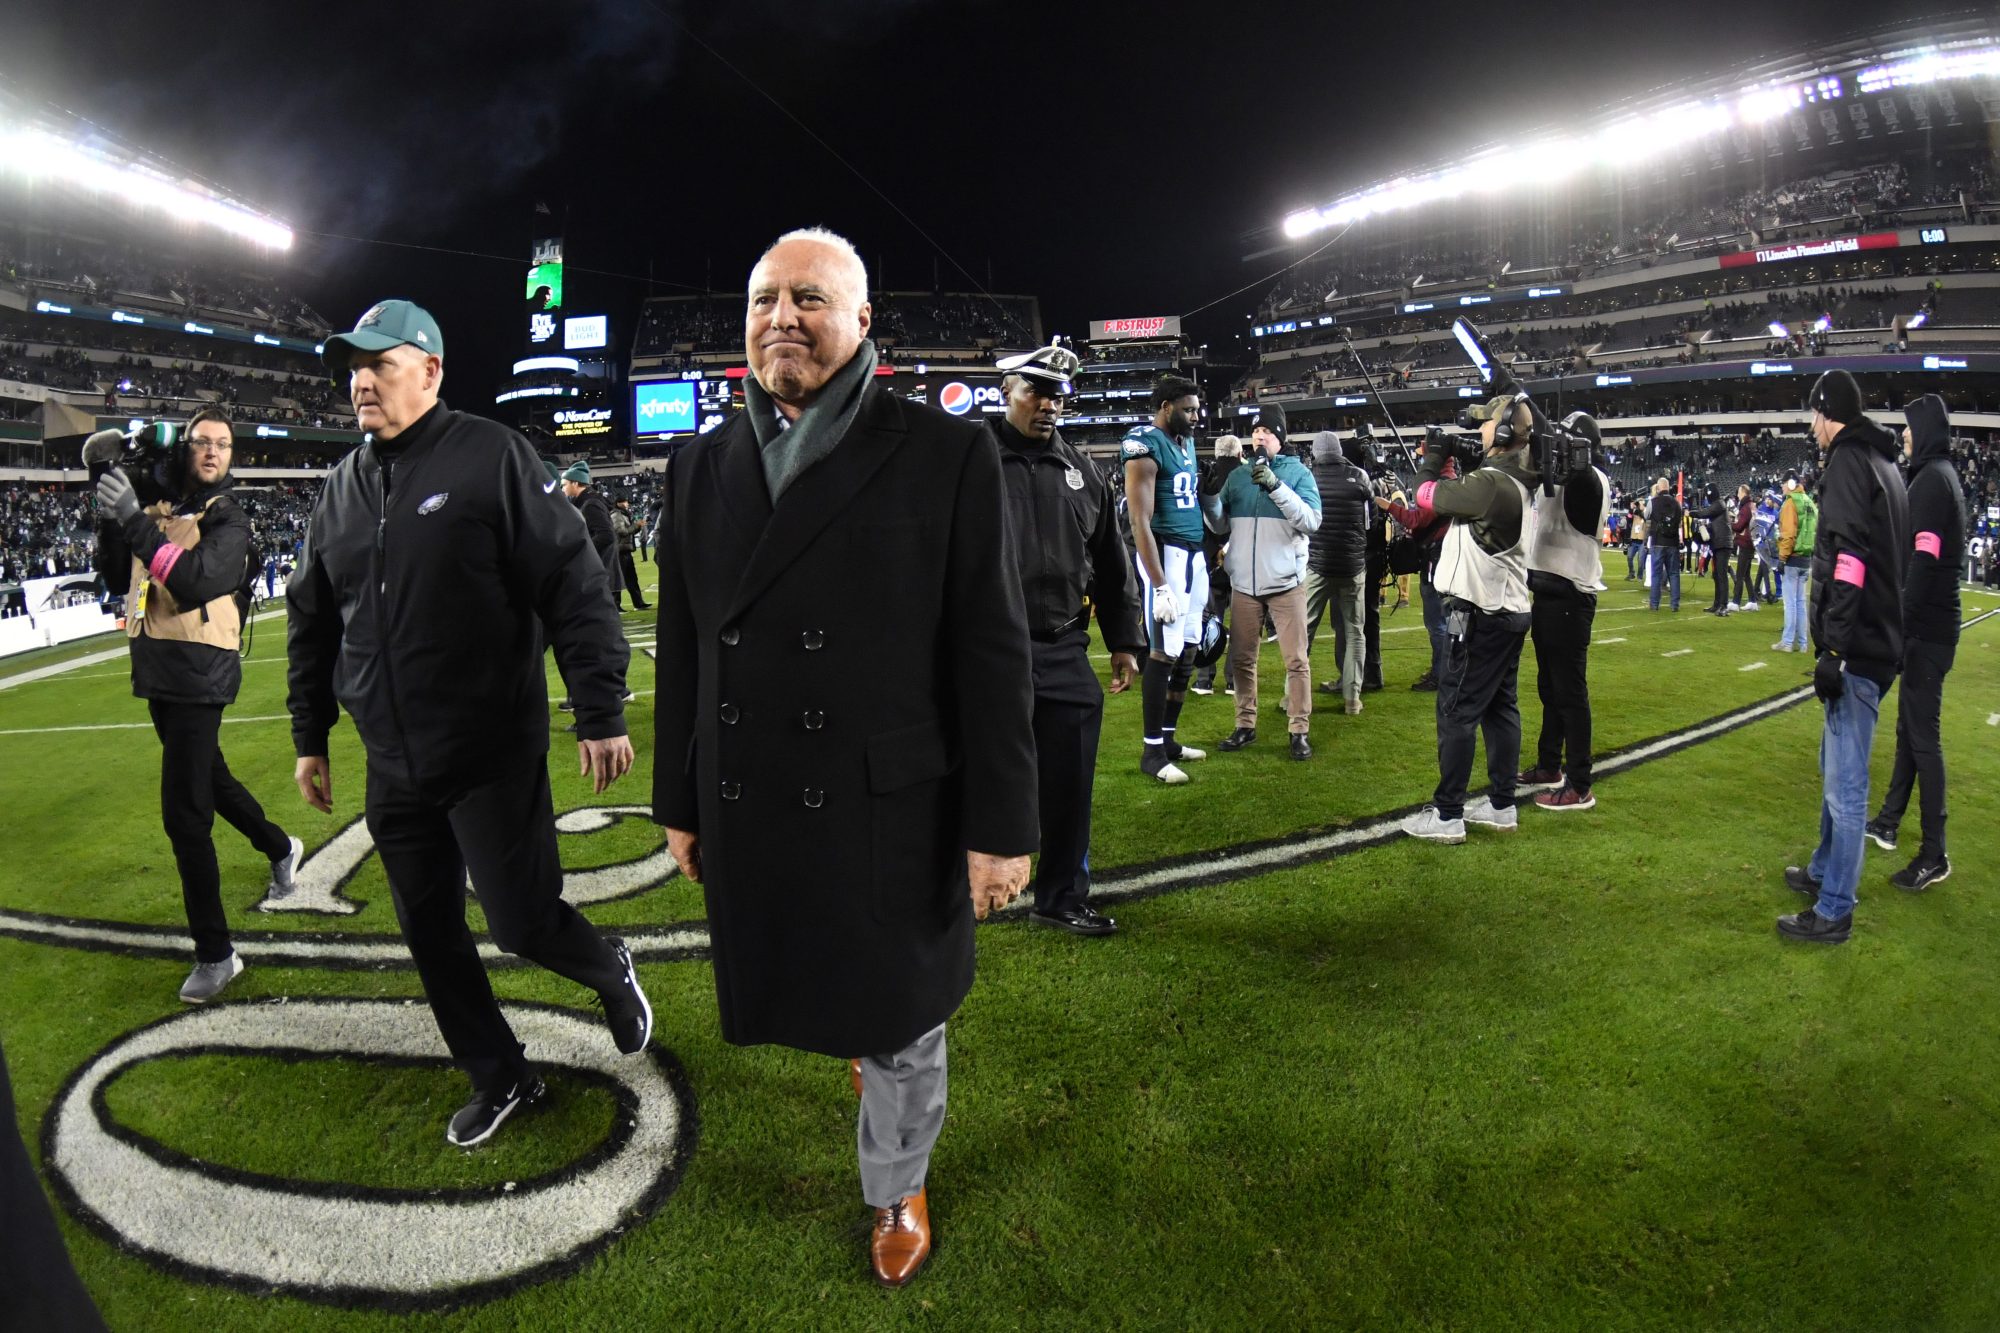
730	634
813	639
815	798
814	719
731	790
730	713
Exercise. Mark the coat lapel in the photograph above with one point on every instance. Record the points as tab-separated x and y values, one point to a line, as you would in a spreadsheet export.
741	474
818	495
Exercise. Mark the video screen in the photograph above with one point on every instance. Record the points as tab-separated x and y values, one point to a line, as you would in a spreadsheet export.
663	407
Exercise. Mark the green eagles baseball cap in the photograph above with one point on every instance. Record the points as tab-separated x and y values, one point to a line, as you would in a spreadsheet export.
384	325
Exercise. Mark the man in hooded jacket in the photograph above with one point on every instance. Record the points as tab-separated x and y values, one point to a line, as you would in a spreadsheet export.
1859	554
1930	640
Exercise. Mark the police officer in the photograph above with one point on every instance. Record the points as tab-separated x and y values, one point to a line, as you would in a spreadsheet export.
437	563
180	560
1064	534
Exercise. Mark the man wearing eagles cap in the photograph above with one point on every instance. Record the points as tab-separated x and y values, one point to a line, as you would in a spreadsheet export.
1063	535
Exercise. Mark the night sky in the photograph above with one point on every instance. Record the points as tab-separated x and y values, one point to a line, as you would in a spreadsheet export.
1113	158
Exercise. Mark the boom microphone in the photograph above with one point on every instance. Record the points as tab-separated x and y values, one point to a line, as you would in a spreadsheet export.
103	447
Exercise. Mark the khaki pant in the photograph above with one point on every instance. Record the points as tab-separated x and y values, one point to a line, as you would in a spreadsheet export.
1288	617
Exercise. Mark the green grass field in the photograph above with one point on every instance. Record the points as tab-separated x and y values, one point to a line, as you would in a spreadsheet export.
1568	1078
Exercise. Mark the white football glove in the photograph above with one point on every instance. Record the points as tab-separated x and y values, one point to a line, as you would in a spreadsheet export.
1166	605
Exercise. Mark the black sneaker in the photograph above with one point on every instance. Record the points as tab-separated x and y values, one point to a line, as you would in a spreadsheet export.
1427	681
1370	686
626	1012
1237	739
478	1118
1083	920
1810	925
1920	874
1301	747
1882	834
1797	880
1155	764
568	705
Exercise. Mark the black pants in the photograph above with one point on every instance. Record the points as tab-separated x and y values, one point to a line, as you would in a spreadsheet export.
504	833
44	1294
196	786
1066	761
1371	619
1561	622
1477	695
1718	565
631	575
1745	589
1919	751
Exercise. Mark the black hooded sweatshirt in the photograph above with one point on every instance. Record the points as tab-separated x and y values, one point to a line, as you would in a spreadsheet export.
1937	518
1860	553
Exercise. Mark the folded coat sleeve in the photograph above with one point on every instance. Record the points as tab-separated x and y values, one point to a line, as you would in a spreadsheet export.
1299	505
985	625
553	564
313	631
675	669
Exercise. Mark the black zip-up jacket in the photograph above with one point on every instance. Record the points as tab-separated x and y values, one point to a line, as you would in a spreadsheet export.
169	670
433	564
1663	521
1860	553
596	511
1338	548
1065	540
1937	518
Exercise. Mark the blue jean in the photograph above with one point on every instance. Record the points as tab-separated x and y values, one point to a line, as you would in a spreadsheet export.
1794	632
1666	565
1843	810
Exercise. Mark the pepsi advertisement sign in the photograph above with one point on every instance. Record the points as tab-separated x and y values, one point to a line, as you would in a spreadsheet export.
663	407
960	395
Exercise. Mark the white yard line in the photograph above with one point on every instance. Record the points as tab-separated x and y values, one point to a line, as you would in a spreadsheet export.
1679	652
1754	666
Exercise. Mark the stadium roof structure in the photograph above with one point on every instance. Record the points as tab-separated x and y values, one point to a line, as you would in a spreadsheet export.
1855	75
43	146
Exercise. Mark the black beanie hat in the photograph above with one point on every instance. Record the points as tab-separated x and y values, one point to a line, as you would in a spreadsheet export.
1837	397
1272	418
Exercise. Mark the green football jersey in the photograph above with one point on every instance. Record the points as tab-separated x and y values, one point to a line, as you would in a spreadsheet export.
1177	489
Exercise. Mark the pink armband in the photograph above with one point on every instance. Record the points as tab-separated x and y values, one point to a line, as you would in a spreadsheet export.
1930	544
1849	569
164	561
1424	494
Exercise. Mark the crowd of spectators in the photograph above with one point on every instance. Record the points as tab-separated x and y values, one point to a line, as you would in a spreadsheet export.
101	273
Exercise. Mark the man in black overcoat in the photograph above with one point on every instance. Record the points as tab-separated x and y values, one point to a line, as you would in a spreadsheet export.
845	757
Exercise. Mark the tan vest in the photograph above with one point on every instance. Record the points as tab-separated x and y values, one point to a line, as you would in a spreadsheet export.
152	610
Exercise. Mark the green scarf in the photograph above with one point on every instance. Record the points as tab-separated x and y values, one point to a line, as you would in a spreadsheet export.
788	451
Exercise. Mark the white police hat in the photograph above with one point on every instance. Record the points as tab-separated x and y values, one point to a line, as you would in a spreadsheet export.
1050	367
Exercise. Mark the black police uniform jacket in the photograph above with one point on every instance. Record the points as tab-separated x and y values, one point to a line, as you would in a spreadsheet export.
169	670
421	601
843	711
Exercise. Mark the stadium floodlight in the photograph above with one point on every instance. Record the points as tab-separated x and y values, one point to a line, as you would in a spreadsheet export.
1917	320
1302	223
1929	67
1822	324
1762	104
34	154
1779	330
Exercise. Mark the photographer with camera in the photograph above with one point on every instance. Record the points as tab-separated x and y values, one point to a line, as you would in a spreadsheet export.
175	544
1565	574
1483	575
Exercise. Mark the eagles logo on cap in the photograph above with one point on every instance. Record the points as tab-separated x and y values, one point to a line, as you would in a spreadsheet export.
1049	367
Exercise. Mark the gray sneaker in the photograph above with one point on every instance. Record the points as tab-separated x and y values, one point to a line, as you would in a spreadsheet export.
1482	813
1432	827
208	979
282	870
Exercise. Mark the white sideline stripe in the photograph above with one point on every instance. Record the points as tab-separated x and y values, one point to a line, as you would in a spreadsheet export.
90	659
135	726
1679	652
1619	639
1754	666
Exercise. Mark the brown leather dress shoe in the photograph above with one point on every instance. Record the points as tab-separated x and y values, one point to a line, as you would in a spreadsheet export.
854	1071
902	1240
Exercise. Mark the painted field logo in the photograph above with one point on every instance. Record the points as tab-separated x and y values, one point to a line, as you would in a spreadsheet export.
955	398
352	1245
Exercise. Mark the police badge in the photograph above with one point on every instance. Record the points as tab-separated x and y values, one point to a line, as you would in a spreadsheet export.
1074	478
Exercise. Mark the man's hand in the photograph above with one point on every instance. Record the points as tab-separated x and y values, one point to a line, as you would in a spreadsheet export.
315	779
116	498
1381	504
1829	682
1260	472
1124	669
1166	604
685	848
996	880
605	761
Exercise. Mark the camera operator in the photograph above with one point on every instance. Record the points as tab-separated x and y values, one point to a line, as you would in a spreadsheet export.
1711	522
1483	574
175	544
1565	574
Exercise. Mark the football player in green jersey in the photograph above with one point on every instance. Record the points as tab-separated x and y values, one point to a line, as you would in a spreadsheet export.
1163	498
